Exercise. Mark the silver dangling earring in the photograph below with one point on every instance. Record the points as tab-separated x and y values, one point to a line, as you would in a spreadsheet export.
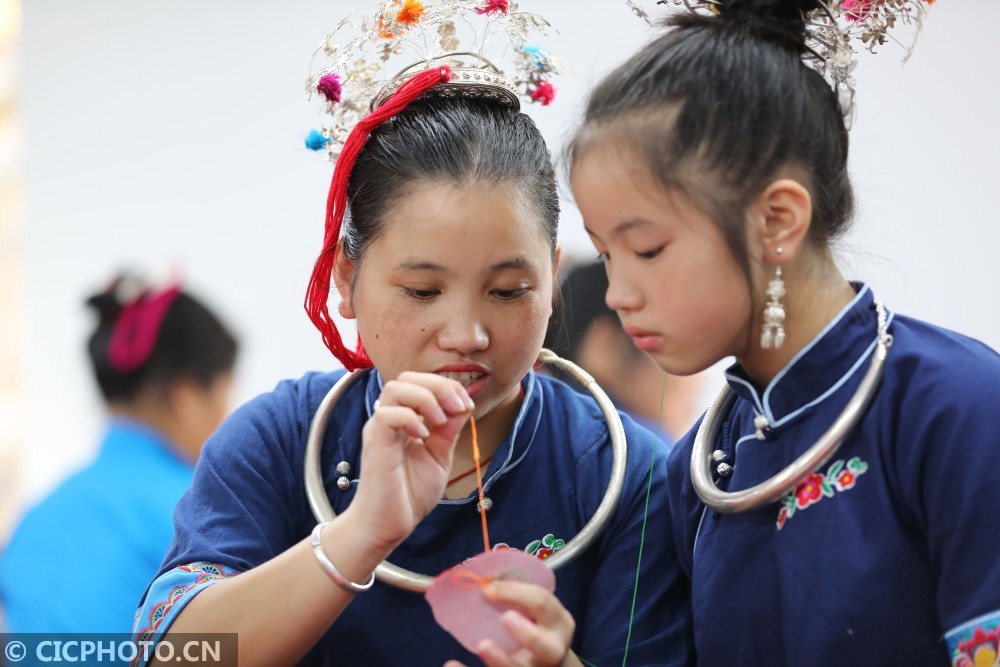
773	334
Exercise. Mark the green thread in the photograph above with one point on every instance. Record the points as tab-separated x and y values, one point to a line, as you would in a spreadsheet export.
585	663
645	515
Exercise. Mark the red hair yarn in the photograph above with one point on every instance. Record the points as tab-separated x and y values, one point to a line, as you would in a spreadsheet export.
318	292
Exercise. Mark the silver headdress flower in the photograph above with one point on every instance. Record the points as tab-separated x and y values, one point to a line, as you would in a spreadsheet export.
832	31
485	42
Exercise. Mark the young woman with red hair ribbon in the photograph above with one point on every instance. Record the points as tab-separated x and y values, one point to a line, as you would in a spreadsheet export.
441	241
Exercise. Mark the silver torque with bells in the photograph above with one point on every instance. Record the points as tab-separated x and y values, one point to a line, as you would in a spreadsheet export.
773	489
394	575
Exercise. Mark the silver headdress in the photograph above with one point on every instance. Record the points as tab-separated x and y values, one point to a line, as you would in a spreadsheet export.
484	42
831	33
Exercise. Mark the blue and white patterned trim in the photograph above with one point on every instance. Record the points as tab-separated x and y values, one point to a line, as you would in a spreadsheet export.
169	594
975	642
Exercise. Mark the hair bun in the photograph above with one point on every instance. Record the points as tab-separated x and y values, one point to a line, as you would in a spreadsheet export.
123	290
789	11
782	21
106	305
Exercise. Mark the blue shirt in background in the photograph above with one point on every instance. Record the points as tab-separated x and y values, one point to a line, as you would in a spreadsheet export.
80	560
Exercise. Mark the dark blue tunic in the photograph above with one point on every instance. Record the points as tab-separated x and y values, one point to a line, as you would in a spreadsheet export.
248	504
890	554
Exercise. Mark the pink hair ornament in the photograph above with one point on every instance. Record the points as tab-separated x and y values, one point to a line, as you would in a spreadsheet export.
137	328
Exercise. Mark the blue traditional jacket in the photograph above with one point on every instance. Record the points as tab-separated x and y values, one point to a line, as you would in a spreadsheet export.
248	504
887	555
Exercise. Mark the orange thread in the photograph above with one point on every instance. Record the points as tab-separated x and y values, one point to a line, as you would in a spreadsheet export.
479	483
466	579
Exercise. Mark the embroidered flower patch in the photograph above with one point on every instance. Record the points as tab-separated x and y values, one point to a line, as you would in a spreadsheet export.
541	549
545	547
839	477
976	643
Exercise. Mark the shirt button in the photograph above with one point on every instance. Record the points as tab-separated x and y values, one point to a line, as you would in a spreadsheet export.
761	424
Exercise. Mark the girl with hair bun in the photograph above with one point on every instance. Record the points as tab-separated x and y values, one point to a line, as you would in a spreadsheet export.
835	506
163	363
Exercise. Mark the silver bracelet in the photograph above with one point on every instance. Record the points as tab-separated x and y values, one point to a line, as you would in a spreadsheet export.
331	569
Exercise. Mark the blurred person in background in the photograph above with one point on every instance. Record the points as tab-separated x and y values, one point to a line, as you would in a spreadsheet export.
591	336
80	560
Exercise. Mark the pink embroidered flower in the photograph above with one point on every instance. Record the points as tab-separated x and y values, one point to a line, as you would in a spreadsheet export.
840	476
544	92
494	7
809	491
846	480
329	87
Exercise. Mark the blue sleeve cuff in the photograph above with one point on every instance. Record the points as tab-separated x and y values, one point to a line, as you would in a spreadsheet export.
169	594
976	642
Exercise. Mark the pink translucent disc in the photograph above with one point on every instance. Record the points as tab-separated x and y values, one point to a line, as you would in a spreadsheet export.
461	603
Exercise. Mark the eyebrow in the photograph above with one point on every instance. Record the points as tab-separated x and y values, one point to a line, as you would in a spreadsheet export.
516	263
420	266
623	227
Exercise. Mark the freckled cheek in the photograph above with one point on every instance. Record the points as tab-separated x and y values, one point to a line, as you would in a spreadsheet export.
523	325
391	329
418	325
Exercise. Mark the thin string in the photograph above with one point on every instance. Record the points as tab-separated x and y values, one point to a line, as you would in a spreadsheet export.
645	515
468	472
479	483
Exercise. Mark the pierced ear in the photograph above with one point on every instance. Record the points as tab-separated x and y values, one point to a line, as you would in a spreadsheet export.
343	275
783	214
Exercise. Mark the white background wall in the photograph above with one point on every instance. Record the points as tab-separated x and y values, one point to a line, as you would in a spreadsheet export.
168	133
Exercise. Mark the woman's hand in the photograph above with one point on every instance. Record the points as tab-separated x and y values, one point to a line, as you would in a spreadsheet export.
544	641
407	448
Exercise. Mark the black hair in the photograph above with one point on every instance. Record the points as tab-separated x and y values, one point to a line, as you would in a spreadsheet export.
718	107
582	289
454	140
192	343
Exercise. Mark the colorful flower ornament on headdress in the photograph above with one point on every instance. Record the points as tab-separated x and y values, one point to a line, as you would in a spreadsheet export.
485	43
830	32
406	50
